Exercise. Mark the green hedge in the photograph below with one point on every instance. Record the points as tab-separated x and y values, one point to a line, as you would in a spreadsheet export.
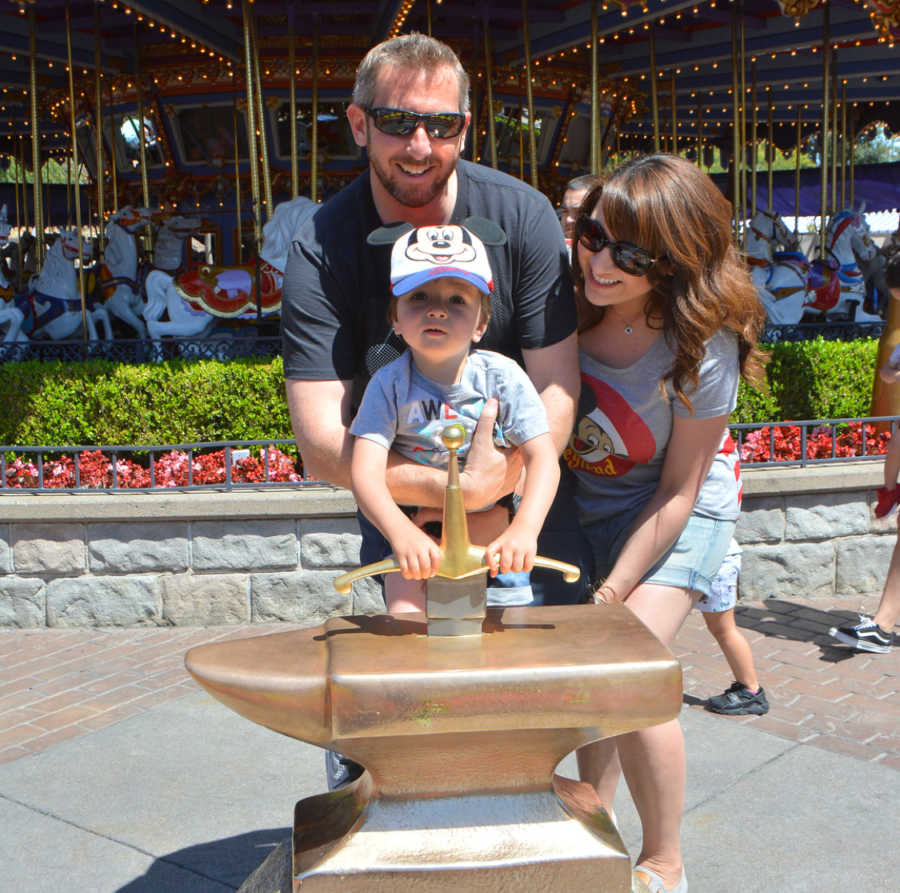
104	403
813	380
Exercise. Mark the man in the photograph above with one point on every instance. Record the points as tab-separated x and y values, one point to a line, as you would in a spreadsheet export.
410	111
576	189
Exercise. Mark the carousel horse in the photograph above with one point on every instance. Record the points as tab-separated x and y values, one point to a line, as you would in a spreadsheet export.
837	285
11	317
118	280
878	294
170	245
781	286
52	307
199	298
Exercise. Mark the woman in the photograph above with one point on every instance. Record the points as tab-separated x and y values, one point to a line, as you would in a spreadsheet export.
668	321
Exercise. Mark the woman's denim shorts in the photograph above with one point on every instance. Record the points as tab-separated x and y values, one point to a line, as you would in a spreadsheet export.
692	563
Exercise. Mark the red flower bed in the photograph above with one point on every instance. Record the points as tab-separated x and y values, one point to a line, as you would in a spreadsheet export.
95	470
782	443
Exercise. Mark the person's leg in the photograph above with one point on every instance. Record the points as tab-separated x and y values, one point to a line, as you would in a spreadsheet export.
734	646
653	759
402	596
876	635
888	612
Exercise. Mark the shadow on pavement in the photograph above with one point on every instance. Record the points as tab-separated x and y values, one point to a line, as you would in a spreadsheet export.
212	867
798	622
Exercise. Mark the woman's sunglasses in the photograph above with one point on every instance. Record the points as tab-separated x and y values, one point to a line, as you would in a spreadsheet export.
400	122
627	257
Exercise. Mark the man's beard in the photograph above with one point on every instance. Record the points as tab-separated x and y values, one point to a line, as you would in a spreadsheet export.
412	195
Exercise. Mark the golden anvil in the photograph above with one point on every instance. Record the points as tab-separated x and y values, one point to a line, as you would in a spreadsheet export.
459	735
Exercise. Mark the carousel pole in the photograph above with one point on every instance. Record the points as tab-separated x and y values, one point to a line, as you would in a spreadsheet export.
314	133
753	149
852	160
834	133
699	131
770	153
654	97
237	179
595	99
532	138
292	102
20	171
823	142
742	108
428	15
113	163
674	116
844	144
489	96
260	113
35	143
736	145
68	189
797	176
101	173
74	158
473	129
25	221
251	128
142	146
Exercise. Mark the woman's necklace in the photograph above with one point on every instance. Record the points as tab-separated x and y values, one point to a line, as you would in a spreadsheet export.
628	323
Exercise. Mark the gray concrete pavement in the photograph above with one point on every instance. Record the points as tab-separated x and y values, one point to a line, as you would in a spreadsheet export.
190	797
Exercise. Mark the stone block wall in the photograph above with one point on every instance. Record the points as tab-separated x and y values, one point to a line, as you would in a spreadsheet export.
208	558
177	570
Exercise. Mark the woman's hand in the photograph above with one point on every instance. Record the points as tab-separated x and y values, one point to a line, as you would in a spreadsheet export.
605	595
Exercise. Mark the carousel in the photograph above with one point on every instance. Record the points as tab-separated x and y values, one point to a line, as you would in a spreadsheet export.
157	156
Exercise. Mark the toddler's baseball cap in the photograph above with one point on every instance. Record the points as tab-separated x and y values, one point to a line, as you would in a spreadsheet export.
436	252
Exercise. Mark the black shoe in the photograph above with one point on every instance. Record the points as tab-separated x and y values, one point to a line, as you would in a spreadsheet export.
738	699
340	770
866	635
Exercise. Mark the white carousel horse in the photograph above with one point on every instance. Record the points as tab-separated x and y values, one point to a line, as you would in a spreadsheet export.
197	299
118	276
52	308
842	294
780	285
169	248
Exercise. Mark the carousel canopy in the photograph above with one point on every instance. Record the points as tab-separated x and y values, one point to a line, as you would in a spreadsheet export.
189	57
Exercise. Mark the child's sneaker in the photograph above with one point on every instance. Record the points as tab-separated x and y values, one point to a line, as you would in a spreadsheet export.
887	499
737	700
866	635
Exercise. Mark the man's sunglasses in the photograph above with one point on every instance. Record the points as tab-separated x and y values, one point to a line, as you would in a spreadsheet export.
627	257
400	122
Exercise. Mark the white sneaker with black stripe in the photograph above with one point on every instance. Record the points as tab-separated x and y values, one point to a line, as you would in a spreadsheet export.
866	635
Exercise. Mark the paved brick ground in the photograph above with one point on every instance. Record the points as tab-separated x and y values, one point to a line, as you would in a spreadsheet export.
59	684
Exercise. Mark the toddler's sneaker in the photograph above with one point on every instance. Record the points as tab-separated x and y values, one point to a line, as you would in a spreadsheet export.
738	699
887	499
866	635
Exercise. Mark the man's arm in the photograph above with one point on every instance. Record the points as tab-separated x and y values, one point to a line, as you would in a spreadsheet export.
554	371
321	415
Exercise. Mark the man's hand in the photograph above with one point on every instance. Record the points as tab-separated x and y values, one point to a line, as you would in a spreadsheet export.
490	472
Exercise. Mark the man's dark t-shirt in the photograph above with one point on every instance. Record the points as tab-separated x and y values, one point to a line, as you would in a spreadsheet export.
337	287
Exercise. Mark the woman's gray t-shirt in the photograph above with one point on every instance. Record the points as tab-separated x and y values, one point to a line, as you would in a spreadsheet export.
624	424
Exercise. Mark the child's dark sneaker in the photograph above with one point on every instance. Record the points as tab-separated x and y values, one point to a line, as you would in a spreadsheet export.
738	699
866	635
887	499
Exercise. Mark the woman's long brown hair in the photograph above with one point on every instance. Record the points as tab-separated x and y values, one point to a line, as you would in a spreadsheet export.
699	285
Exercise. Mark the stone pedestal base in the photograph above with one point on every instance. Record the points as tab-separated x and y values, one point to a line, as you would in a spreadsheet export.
492	842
